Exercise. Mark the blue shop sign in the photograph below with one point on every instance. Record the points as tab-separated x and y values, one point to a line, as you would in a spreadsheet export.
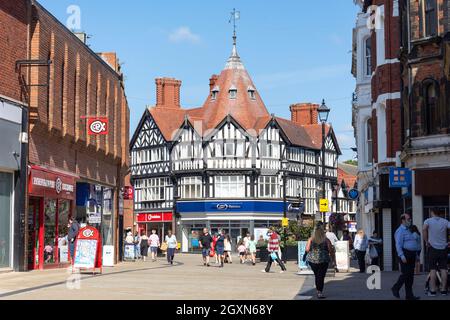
230	206
399	177
353	194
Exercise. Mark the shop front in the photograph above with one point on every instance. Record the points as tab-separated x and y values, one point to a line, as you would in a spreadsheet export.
160	221
95	207
236	218
50	205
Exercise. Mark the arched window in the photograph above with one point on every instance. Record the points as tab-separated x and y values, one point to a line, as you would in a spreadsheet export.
430	93
369	141
368	57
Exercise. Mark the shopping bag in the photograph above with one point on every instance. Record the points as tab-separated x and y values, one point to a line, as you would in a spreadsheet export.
373	252
367	258
164	246
273	256
211	253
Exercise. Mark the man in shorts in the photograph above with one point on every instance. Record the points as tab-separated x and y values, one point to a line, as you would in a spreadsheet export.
205	242
435	231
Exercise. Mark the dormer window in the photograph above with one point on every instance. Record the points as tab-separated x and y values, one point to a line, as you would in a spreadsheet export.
233	92
251	93
214	93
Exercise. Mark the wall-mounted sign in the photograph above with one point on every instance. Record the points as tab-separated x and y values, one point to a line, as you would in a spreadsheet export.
155	217
97	125
353	194
43	182
128	193
399	177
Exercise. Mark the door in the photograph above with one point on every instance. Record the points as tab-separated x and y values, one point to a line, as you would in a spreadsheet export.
35	243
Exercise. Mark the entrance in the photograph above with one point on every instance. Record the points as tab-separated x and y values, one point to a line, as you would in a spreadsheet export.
47	232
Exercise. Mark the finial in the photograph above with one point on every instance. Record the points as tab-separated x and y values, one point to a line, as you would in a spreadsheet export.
235	15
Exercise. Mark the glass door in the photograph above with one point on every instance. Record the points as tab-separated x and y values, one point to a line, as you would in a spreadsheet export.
50	213
5	219
34	246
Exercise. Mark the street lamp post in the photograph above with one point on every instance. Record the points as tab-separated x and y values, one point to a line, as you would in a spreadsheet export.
284	164
323	111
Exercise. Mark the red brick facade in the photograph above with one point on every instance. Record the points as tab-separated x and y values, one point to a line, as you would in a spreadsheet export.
13	47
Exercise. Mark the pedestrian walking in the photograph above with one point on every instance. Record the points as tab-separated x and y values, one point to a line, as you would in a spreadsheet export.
74	228
361	244
172	244
333	239
154	245
320	253
273	248
205	241
137	249
220	247
242	251
144	246
435	235
246	244
227	248
252	249
375	248
406	246
418	237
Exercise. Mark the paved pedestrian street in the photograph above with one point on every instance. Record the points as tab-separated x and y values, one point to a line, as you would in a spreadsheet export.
188	279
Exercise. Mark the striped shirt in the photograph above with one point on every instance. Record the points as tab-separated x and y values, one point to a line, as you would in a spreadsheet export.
274	243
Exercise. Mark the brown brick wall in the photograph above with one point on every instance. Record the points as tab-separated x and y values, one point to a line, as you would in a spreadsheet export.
81	84
13	46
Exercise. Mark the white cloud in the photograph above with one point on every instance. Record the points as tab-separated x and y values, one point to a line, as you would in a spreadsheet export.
184	34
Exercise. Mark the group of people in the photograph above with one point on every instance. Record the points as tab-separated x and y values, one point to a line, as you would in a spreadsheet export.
143	244
219	247
408	245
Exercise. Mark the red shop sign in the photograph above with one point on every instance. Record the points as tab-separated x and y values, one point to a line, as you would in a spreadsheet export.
46	183
155	217
128	193
97	125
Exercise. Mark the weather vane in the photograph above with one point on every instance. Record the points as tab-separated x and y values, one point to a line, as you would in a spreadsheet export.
235	15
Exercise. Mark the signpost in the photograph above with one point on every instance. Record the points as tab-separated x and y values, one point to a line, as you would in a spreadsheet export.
324	205
88	253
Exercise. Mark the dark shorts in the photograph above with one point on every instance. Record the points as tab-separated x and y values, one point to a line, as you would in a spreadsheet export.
437	259
154	249
220	250
242	253
205	252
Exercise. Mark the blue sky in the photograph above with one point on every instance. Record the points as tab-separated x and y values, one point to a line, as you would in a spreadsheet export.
295	50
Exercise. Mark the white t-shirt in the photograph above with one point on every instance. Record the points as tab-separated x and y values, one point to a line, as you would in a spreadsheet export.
171	241
154	240
246	240
332	237
437	232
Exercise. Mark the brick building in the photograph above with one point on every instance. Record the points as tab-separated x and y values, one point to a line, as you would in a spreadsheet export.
13	114
70	172
425	47
377	118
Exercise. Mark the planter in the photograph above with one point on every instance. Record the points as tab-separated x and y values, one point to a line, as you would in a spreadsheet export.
262	254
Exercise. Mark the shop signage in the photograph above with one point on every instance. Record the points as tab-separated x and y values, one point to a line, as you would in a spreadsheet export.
88	249
128	193
264	206
285	222
46	183
399	177
97	125
352	227
155	217
226	206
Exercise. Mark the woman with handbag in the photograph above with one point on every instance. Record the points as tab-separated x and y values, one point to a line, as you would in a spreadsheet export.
319	254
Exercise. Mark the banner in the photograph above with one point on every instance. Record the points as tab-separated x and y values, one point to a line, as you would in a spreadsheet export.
301	251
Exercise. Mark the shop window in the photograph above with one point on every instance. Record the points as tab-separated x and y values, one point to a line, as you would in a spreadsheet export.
63	228
49	231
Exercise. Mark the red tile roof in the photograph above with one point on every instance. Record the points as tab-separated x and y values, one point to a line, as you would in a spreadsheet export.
346	175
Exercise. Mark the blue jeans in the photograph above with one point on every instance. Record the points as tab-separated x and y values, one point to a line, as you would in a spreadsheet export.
71	249
170	254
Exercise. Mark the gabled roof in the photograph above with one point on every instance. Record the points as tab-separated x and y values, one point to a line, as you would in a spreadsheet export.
347	173
247	111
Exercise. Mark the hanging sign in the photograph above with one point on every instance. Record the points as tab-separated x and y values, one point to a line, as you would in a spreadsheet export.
97	125
88	249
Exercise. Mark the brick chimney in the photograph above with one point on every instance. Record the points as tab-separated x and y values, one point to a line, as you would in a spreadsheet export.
111	59
168	92
212	82
304	113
